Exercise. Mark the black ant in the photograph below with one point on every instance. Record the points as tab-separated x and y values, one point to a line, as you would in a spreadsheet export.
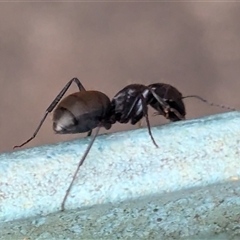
85	110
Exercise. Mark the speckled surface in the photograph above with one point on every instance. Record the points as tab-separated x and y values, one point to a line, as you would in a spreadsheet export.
128	188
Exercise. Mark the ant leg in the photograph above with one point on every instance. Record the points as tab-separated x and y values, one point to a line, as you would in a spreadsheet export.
166	107
170	110
133	105
79	165
63	91
52	106
177	113
89	133
160	100
145	112
209	103
156	114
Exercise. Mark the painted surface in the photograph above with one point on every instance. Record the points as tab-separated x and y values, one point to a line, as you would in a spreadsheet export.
123	174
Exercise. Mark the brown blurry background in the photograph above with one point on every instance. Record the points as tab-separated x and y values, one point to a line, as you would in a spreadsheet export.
194	46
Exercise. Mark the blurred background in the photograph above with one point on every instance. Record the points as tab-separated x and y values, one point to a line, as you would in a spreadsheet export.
193	46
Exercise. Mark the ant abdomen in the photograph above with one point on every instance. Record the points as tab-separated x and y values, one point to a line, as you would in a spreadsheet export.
81	112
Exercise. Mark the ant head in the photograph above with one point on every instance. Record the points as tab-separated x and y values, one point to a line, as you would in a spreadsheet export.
167	101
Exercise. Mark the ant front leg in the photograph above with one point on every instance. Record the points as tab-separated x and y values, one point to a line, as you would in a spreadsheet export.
145	113
52	106
160	100
166	107
167	114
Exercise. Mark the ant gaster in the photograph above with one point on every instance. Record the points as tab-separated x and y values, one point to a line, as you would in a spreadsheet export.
78	113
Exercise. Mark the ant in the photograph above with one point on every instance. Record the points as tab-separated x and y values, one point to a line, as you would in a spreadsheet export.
85	110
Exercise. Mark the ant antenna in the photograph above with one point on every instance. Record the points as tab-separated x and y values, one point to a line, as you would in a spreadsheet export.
209	103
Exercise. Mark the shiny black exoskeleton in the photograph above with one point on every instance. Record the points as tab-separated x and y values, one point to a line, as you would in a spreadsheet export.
131	105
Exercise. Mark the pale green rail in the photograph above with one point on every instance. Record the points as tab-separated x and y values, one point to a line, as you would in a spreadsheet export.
128	188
